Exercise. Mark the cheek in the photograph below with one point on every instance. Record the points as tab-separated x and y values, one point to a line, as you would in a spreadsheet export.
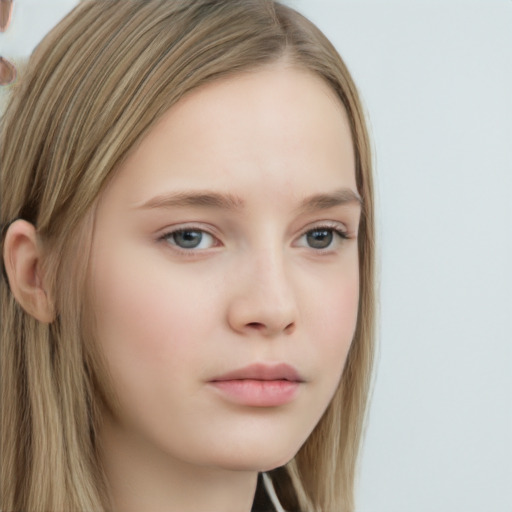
333	321
145	323
344	307
336	303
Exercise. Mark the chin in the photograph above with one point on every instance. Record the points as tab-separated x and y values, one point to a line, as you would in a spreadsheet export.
256	446
257	459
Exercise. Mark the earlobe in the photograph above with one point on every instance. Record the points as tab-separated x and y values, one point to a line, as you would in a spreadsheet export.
22	260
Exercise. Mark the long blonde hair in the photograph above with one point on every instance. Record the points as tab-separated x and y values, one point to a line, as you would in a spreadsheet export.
92	89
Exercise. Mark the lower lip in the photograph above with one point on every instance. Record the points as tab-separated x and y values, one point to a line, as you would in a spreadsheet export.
258	393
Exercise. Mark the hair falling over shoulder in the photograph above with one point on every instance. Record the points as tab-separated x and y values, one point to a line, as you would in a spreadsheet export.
92	89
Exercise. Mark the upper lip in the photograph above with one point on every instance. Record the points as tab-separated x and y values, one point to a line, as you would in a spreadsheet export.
281	371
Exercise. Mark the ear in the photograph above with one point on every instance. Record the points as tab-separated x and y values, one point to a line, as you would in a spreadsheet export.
22	260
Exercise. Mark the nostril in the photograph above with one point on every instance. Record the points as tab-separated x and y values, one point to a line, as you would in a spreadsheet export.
256	325
289	328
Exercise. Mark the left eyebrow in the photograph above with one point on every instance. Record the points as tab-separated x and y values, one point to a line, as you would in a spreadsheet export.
201	199
341	197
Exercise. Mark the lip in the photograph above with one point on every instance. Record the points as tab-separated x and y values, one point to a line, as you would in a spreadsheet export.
259	385
259	371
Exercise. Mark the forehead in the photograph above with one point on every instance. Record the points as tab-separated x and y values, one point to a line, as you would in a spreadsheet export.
276	125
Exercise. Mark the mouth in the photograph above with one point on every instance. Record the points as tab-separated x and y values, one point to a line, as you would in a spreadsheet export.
259	385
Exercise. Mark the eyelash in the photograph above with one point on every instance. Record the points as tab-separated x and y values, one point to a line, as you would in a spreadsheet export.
193	251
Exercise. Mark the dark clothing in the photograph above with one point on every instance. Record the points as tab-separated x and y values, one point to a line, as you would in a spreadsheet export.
262	502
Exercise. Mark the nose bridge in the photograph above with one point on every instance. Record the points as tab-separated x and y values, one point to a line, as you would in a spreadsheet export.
265	299
273	276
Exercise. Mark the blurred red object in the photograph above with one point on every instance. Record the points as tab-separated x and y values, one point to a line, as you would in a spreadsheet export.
5	14
7	72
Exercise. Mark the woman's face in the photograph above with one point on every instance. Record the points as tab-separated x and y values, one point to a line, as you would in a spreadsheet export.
225	271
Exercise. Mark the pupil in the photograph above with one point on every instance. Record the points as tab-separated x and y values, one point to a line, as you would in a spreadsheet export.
188	239
319	238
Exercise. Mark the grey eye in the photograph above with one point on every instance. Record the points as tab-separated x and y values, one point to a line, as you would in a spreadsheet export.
319	238
187	239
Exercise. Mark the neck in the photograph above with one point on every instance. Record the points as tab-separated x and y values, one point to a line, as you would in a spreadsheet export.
143	478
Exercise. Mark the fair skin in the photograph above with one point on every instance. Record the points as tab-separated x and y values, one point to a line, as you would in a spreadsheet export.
227	238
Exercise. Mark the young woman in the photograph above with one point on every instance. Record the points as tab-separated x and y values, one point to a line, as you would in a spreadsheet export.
187	241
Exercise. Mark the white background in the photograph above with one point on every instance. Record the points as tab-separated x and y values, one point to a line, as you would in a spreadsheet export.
436	80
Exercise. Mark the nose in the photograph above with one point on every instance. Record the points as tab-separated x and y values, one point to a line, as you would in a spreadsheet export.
263	300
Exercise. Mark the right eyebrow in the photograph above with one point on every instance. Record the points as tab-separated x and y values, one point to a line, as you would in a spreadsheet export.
340	197
204	199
